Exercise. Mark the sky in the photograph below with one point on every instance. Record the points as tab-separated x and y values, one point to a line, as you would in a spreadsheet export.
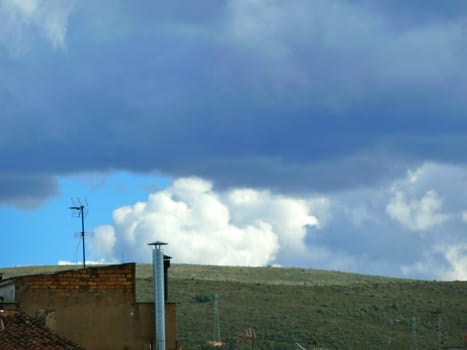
326	134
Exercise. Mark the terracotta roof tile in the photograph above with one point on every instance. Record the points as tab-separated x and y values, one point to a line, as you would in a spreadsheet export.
21	332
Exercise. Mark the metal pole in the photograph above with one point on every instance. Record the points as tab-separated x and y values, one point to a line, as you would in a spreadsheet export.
80	209
414	333
159	297
82	236
439	330
216	326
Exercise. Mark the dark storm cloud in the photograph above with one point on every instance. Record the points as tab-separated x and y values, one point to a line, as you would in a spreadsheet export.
24	191
302	95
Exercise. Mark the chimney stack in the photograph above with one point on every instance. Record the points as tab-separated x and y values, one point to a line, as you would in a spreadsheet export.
159	297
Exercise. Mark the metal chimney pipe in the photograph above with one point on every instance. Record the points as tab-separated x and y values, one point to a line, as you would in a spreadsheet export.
159	298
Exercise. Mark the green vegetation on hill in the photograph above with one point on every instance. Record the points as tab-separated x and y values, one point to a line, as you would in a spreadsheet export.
314	308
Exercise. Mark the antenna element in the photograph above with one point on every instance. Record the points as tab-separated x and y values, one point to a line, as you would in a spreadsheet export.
80	210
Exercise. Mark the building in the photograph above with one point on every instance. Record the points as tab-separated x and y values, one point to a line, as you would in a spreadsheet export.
94	307
18	331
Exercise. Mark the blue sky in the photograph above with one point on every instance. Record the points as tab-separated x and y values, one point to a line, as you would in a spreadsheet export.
327	134
48	234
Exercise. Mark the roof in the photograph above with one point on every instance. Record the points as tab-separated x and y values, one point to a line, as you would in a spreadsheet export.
21	332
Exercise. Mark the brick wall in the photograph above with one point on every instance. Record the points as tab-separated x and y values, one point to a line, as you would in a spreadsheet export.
94	281
95	307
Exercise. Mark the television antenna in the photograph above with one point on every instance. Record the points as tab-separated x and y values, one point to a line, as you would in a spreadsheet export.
80	210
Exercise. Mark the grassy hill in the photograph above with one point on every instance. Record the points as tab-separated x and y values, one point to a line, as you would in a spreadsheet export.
286	306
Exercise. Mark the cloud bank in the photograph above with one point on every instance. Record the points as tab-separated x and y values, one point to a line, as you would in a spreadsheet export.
413	227
238	227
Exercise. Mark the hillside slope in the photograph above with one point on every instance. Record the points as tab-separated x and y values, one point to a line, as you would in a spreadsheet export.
313	308
330	309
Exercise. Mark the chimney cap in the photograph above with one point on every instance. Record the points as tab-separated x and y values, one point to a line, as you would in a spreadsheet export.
157	243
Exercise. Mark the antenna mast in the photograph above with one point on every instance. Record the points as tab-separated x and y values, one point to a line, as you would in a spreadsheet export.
80	211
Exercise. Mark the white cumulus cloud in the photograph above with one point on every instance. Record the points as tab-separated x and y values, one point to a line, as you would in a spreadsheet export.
416	214
237	227
289	217
443	261
103	242
457	259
